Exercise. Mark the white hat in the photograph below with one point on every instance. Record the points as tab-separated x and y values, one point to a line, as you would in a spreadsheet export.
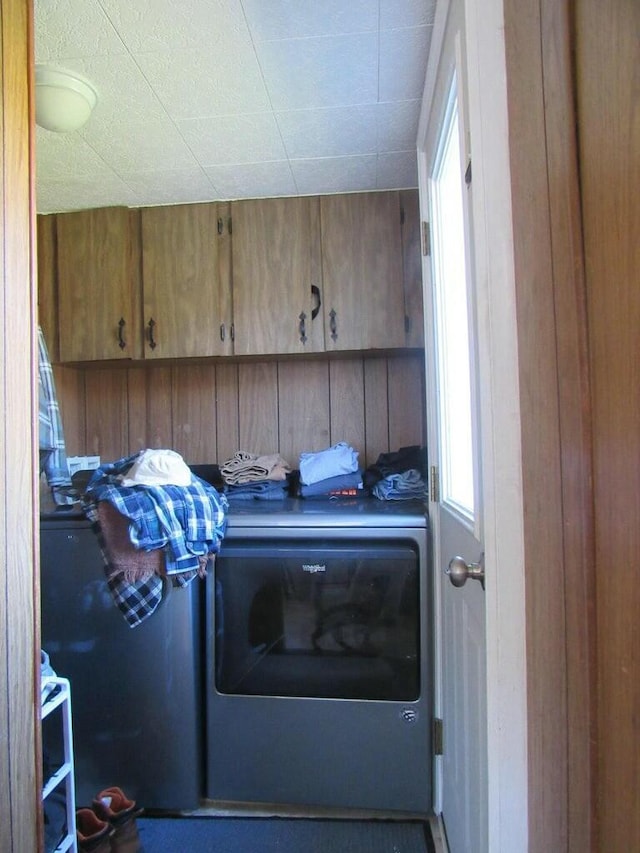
158	468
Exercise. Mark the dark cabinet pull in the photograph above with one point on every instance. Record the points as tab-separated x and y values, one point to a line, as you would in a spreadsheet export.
233	331
121	341
315	292
151	326
302	328
333	325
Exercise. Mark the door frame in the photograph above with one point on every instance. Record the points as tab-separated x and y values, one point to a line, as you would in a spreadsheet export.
498	379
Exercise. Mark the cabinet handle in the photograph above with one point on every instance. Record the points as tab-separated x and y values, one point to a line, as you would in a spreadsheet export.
121	341
223	332
220	225
315	292
151	326
333	325
233	331
301	327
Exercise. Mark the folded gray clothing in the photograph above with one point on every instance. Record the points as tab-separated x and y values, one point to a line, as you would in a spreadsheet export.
246	467
332	484
397	487
262	490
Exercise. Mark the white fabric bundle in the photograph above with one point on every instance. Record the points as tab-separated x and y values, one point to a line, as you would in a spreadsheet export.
158	468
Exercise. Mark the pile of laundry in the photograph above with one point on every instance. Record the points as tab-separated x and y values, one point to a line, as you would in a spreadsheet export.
247	476
399	475
333	472
156	523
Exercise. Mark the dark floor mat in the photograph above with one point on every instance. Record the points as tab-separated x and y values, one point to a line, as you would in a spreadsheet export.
281	835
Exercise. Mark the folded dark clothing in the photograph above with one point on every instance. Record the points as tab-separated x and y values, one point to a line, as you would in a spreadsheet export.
348	484
396	462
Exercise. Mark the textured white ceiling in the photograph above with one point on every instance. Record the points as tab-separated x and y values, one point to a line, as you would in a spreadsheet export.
221	99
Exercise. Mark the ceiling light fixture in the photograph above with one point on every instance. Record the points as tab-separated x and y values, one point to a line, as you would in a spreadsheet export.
64	100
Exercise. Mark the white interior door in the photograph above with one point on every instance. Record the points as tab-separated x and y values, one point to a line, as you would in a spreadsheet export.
498	527
456	511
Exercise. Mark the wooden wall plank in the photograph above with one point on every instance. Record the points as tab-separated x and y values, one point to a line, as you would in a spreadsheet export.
159	413
106	413
406	402
136	410
304	408
227	412
194	413
71	401
258	407
376	402
346	404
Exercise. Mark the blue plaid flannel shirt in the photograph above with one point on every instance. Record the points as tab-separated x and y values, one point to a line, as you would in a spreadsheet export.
188	522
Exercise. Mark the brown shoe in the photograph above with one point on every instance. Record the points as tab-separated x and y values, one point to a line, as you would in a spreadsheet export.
93	834
113	806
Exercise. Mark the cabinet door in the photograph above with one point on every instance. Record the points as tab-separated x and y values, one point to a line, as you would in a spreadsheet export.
412	268
47	298
186	281
362	271
276	276
98	284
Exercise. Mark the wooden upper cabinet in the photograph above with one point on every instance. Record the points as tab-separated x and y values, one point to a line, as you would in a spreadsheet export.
47	287
276	276
412	268
362	269
98	284
186	281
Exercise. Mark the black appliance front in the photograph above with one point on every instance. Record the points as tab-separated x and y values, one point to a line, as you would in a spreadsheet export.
319	688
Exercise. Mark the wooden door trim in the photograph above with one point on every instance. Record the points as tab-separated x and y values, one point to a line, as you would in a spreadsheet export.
556	433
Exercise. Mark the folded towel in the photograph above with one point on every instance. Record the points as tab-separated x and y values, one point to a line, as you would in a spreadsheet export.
336	460
246	467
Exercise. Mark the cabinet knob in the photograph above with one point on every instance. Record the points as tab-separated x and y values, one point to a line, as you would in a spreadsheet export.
302	328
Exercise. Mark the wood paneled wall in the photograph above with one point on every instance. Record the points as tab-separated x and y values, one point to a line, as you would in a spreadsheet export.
20	802
208	411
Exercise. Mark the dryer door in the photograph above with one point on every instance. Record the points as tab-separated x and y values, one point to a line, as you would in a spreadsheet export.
318	619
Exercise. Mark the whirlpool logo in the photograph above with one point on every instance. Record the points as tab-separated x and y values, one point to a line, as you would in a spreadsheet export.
313	568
